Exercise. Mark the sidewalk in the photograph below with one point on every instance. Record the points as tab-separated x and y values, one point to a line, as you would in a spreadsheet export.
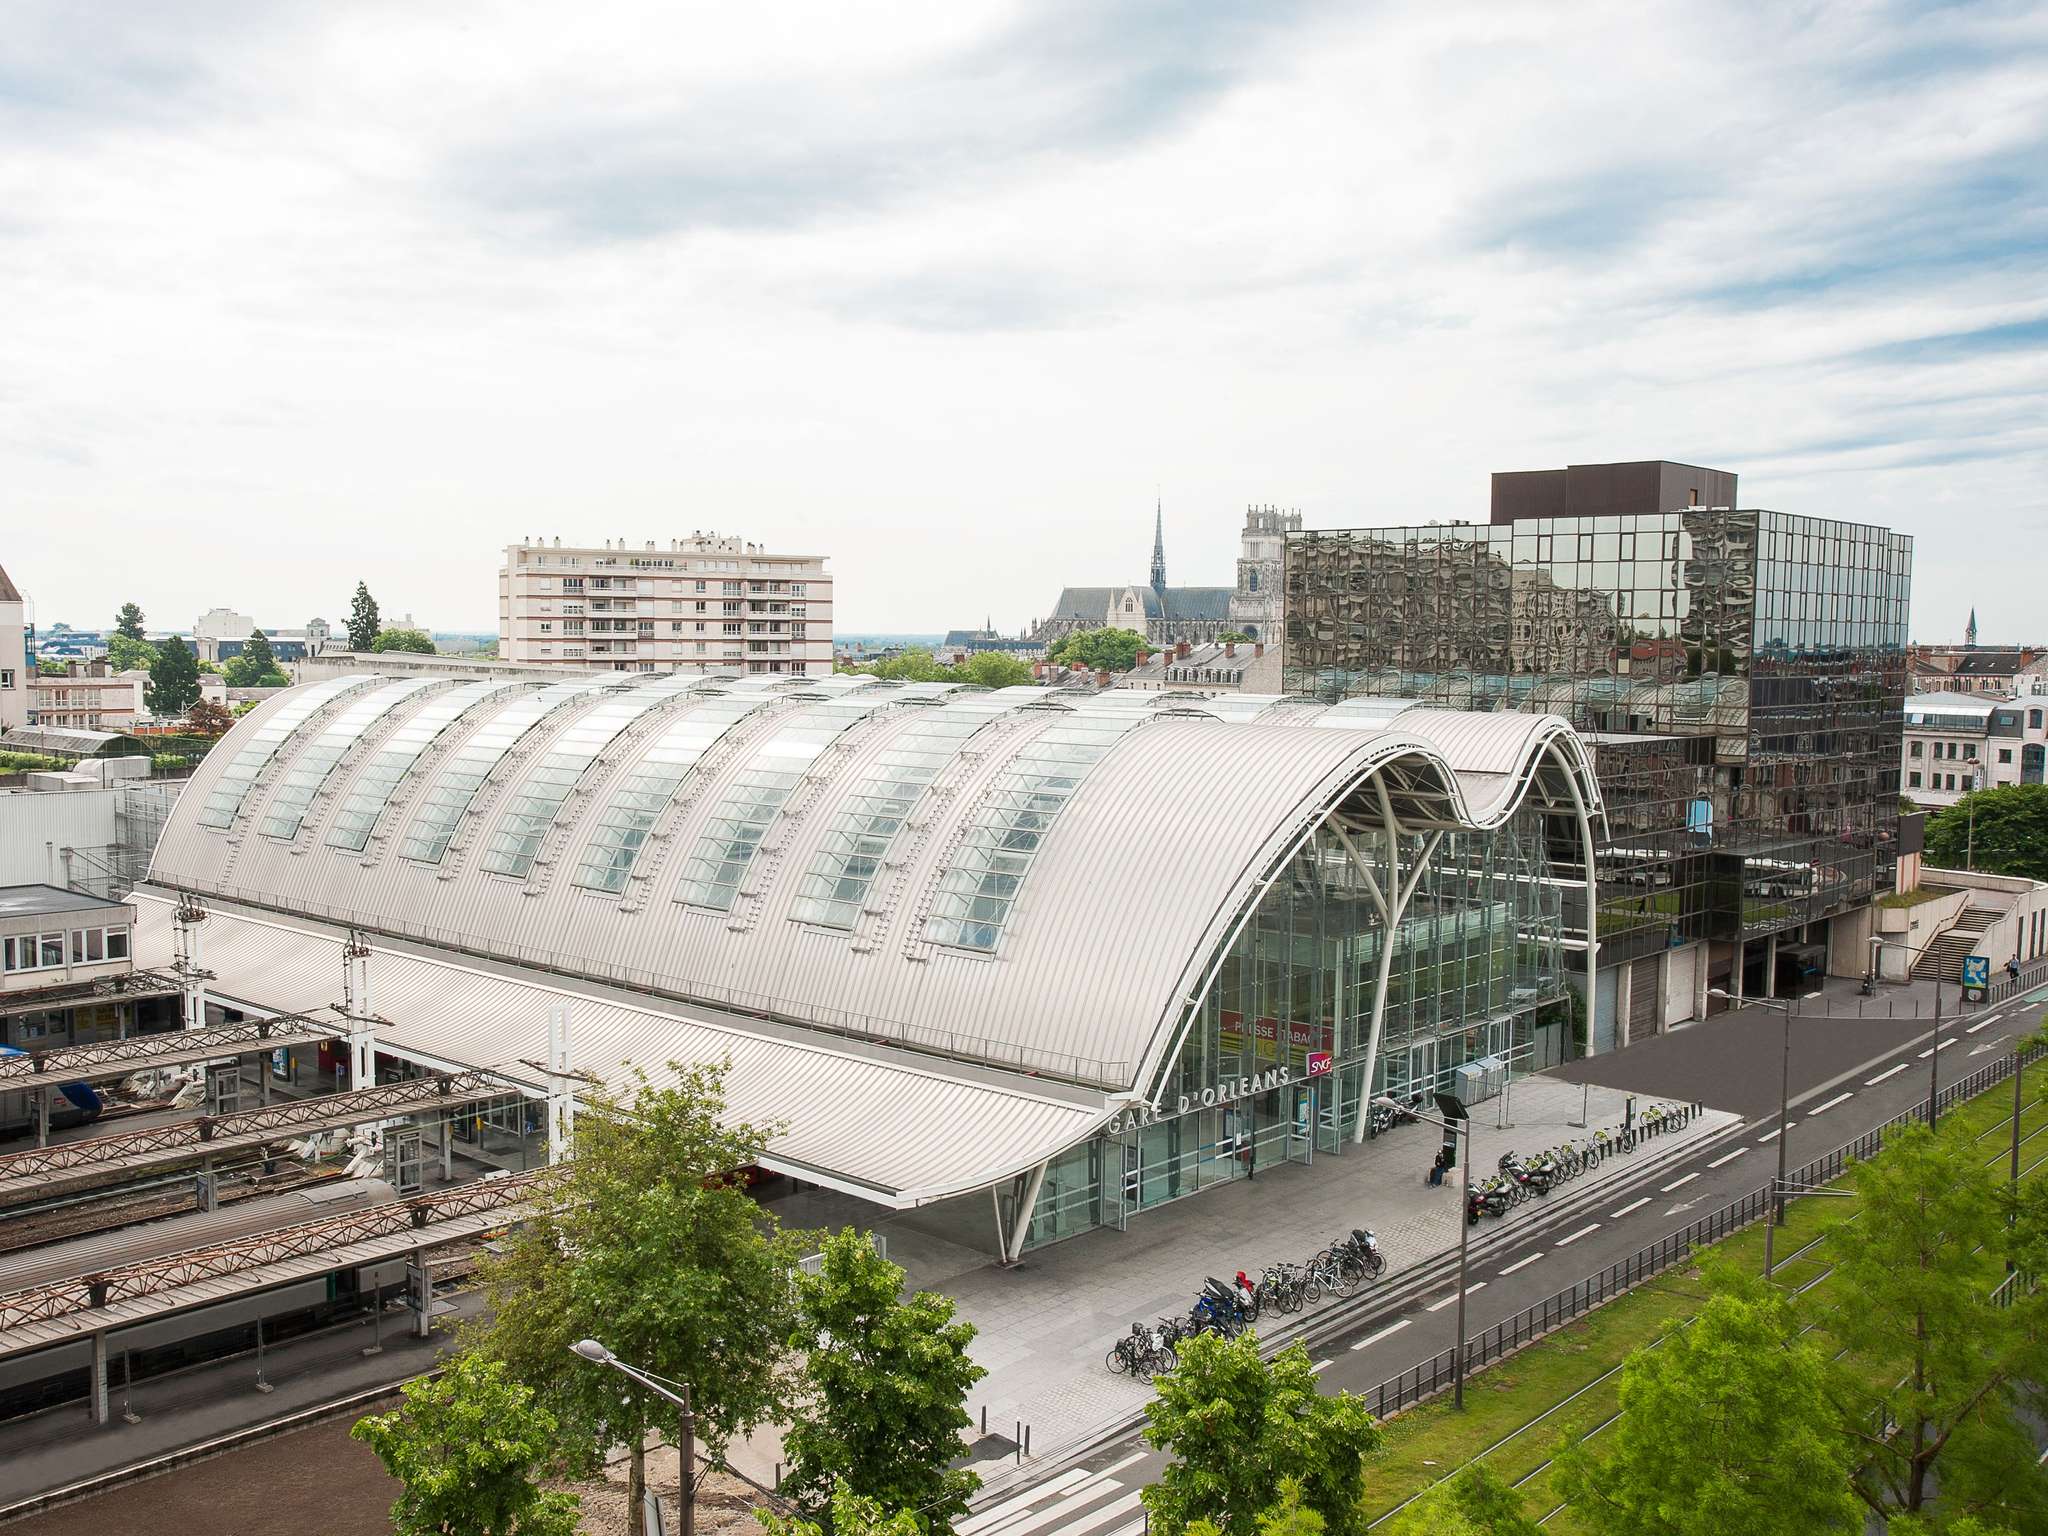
1043	1327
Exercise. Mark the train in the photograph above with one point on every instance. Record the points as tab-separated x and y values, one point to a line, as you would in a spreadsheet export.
50	1377
82	1104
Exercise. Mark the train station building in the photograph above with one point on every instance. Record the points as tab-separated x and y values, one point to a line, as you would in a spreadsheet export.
1068	956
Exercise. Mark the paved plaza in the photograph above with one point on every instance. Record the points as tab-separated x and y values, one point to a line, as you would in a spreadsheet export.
1044	1326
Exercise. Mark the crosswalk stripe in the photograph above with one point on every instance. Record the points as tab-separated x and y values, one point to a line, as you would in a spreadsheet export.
1070	1506
1009	1507
1112	1513
1129	1461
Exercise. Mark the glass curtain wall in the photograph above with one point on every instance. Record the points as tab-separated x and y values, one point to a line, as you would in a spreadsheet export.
1477	953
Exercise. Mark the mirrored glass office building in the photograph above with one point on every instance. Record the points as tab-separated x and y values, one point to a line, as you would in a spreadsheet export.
1739	673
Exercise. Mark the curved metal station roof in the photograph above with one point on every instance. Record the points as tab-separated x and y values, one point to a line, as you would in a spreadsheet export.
935	928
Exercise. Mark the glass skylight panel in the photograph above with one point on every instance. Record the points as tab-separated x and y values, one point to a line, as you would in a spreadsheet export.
638	803
311	769
858	841
974	894
232	788
390	763
719	862
444	804
533	809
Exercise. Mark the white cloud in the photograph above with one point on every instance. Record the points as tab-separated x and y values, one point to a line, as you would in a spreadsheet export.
297	295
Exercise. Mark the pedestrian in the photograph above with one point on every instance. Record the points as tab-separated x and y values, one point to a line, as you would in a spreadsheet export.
2012	967
1436	1170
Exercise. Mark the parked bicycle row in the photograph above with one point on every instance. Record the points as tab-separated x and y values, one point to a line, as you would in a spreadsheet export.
1520	1178
1228	1307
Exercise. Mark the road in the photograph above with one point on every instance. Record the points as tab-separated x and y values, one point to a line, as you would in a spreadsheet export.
1848	1075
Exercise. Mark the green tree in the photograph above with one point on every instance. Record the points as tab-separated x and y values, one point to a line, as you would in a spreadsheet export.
912	666
124	654
2010	836
469	1445
1474	1503
1287	1517
416	640
255	666
128	622
1239	1428
849	1515
362	619
173	680
993	669
885	1383
1727	1429
644	1242
1115	650
1910	1302
50	666
1233	637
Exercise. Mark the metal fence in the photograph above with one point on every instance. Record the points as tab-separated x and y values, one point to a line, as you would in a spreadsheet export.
1553	1312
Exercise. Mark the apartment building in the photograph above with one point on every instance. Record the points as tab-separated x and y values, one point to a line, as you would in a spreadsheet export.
708	603
88	696
1957	742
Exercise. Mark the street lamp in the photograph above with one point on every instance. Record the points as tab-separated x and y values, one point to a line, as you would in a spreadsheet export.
1934	1054
1784	1109
597	1354
1464	1230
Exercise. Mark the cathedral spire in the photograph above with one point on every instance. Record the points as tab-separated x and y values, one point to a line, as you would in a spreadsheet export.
1969	633
1159	549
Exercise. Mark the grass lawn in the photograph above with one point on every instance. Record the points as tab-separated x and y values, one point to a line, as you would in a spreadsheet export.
1432	1441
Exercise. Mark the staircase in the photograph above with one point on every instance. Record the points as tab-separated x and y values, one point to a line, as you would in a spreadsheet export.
1944	957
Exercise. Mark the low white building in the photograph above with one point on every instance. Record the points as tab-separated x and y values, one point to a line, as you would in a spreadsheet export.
708	603
16	670
89	696
1957	742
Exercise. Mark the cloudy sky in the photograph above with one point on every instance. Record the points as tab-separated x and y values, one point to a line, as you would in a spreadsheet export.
294	293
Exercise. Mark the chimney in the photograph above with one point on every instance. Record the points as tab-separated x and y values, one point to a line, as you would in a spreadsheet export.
1230	648
1143	655
1180	651
1076	666
1102	678
1258	649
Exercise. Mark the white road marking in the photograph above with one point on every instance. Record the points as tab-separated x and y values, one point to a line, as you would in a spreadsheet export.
1117	1466
1438	1306
1887	1072
1320	1366
1980	1024
1385	1333
1685	1178
1063	1512
1633	1205
1115	1510
1773	1135
1727	1157
1521	1264
1589	1227
1008	1508
1840	1098
1951	1040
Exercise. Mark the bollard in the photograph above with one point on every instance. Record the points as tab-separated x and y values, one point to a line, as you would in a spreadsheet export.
778	1477
984	1418
1027	1439
1019	1442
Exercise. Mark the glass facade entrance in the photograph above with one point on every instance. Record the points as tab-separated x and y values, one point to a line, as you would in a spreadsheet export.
1272	1066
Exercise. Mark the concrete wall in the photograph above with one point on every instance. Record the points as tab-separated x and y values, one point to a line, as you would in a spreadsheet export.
1914	927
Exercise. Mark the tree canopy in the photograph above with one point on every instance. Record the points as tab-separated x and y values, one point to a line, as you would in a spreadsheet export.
1112	650
1240	1429
209	719
469	1445
1911	1301
173	681
125	653
128	622
643	1241
2010	836
417	640
1726	1430
362	619
1474	1503
1233	637
848	1515
885	1388
255	666
984	669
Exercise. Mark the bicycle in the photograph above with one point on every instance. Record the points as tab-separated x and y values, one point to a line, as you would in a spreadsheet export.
1363	1247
